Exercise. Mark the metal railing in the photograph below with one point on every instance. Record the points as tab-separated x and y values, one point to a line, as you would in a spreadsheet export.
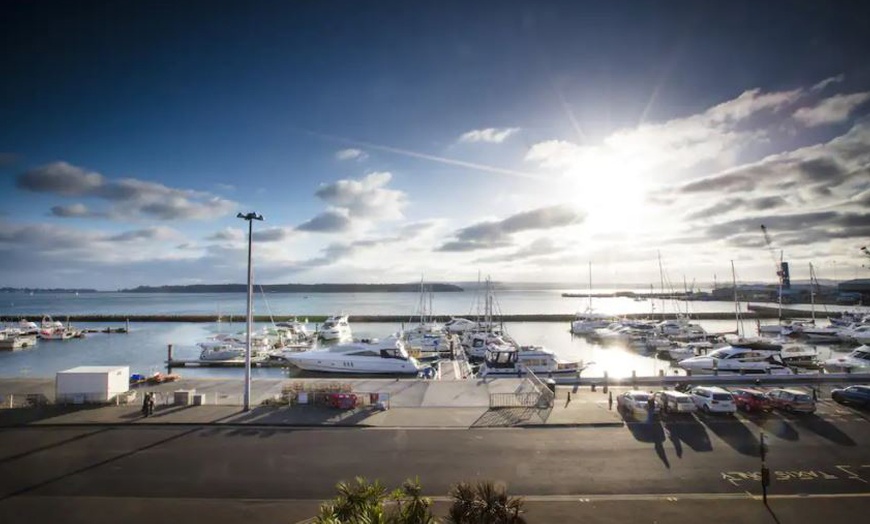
529	399
722	379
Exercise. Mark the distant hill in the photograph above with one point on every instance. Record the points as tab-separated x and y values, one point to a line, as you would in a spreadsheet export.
296	288
44	290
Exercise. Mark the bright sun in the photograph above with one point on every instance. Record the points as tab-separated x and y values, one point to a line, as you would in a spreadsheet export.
610	191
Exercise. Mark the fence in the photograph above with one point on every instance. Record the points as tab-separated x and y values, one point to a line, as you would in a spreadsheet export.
531	393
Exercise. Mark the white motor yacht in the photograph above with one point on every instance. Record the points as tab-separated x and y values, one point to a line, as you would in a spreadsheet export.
220	351
588	321
681	329
460	325
516	361
14	340
818	335
336	328
859	333
476	344
388	356
858	361
736	360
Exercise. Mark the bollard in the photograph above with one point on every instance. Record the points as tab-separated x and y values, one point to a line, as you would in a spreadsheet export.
593	387
610	401
634	378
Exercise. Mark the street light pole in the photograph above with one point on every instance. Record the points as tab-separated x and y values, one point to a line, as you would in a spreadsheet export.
250	217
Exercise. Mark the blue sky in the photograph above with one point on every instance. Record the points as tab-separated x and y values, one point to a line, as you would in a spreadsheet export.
385	140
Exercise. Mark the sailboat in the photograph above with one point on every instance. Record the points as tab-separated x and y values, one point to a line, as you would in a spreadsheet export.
586	322
488	333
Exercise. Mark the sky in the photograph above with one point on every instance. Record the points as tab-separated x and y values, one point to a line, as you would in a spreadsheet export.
385	141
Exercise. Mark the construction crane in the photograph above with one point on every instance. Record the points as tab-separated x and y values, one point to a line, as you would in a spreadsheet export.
777	265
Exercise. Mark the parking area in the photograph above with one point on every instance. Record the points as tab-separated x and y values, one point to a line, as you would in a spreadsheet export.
825	408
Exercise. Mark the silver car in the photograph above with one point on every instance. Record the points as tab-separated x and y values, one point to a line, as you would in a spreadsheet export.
636	403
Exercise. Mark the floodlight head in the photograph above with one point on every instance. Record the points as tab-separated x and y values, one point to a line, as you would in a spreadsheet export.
250	216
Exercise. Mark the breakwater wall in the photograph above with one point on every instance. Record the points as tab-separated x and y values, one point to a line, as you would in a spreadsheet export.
558	317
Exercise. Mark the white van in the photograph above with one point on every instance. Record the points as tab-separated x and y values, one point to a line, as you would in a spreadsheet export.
674	402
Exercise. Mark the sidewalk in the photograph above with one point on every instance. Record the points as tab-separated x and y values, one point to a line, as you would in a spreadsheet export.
413	404
585	409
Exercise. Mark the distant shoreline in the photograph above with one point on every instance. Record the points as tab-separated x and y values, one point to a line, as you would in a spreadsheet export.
266	288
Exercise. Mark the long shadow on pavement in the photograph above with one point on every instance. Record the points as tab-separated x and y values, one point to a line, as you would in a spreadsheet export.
83	469
28	415
649	431
773	424
686	429
50	446
733	432
825	429
304	415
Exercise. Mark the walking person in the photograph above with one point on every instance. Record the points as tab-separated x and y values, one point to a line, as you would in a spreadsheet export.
150	403
650	407
145	400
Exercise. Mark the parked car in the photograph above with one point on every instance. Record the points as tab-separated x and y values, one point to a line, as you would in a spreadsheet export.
750	400
713	400
635	403
674	402
792	400
858	395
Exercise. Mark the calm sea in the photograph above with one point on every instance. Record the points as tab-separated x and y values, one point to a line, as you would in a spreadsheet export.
144	348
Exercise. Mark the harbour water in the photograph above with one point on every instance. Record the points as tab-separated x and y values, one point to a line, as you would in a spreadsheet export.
144	348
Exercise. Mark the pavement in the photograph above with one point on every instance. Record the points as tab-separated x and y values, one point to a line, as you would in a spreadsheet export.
413	404
665	471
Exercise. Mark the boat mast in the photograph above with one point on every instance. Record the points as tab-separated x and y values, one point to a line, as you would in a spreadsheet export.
736	301
590	286
662	279
813	292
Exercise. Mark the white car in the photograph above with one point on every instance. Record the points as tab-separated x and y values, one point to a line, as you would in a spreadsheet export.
713	400
674	402
636	403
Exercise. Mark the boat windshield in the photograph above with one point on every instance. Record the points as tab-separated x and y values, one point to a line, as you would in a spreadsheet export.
864	355
720	353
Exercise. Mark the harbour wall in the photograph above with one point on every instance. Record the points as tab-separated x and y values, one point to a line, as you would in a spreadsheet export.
760	313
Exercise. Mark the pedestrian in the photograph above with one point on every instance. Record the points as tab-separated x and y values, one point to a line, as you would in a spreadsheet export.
651	406
145	404
610	401
151	403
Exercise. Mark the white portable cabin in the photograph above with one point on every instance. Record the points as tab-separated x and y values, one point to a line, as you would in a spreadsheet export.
91	384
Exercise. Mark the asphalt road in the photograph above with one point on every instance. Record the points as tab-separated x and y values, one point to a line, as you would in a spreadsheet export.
714	457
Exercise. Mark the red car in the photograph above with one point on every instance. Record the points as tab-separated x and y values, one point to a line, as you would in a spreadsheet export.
750	400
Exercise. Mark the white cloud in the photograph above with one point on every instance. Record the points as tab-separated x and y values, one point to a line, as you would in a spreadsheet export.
130	198
828	81
493	135
351	154
676	144
366	198
831	110
227	234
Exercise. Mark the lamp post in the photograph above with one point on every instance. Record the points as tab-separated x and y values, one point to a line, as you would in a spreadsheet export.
250	217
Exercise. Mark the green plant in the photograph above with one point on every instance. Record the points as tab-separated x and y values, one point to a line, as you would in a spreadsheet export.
484	503
362	502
